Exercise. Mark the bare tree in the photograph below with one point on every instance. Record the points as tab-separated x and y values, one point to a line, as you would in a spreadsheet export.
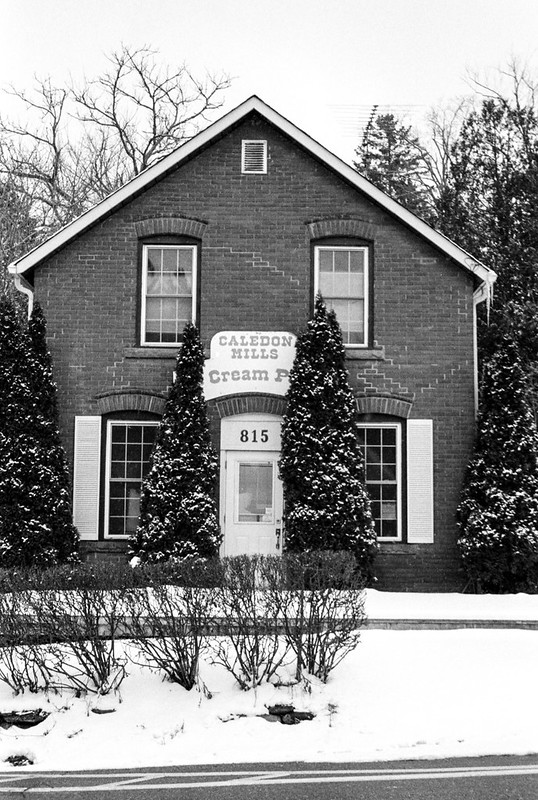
142	111
71	147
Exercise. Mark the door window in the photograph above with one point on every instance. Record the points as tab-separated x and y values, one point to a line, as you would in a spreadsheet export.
255	492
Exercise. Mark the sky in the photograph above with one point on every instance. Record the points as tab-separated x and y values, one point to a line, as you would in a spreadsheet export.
321	63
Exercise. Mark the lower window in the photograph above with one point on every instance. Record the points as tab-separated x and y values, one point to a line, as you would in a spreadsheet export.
381	447
129	446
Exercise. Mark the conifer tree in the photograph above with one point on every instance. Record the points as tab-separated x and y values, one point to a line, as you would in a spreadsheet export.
54	502
178	516
326	506
498	514
392	158
35	517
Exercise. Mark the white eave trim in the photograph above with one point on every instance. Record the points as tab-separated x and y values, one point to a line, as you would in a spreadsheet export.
153	173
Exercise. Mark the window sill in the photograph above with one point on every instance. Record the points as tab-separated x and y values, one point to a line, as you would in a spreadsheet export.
152	352
365	353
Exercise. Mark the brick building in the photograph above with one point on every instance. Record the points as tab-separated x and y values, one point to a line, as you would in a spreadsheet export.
238	229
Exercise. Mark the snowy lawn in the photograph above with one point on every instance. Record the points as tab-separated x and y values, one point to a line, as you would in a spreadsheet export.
400	695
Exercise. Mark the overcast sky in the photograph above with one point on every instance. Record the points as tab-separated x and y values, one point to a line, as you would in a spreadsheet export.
321	63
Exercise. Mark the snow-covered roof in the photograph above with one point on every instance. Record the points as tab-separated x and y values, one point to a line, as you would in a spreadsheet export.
152	174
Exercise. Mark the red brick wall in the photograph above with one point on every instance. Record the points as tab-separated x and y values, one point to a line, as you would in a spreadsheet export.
256	274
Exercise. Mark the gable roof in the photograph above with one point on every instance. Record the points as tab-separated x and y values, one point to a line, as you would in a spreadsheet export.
151	174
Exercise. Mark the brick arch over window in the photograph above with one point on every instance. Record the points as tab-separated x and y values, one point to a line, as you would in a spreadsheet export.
357	228
175	226
249	404
384	404
136	400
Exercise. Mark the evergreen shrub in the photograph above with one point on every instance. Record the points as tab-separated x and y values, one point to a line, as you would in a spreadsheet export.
326	506
36	526
178	513
498	513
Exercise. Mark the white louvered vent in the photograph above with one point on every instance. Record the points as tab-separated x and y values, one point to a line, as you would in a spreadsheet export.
420	481
86	476
254	156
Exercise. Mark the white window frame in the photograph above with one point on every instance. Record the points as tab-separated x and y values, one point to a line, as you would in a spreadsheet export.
111	423
244	148
156	245
398	428
363	249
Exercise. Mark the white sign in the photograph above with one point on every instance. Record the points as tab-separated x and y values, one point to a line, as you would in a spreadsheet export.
252	432
249	361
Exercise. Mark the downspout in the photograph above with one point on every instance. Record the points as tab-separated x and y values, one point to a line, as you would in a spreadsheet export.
22	285
483	293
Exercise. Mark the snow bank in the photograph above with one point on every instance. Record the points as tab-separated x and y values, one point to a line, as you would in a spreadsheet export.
400	695
417	605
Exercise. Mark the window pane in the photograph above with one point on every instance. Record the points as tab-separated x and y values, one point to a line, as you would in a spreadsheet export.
326	285
341	285
169	288
154	260
356	261
326	260
118	451
134	469
341	273
373	472
255	492
184	310
389	436
184	283
389	529
341	260
154	285
117	469
117	508
126	475
389	455
169	260
379	449
134	433
389	473
185	260
115	526
373	435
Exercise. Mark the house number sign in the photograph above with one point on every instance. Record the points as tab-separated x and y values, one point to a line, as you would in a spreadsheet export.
250	434
249	361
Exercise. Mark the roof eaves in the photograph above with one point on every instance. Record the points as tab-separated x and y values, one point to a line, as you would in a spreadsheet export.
202	139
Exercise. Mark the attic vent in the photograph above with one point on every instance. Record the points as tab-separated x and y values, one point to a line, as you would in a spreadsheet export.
254	156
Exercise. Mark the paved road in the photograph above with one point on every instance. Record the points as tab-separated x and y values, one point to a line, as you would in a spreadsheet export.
503	778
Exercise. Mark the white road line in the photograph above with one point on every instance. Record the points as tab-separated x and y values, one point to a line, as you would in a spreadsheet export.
302	777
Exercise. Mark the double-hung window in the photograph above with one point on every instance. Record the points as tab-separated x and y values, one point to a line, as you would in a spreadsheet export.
381	448
168	292
129	446
341	275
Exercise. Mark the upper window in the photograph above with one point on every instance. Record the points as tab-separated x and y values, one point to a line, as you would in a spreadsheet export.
168	292
254	156
341	275
381	448
129	446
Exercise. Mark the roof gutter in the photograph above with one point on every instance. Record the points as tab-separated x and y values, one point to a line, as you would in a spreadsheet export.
22	285
484	293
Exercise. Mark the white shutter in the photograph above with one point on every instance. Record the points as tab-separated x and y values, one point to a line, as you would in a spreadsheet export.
420	481
86	476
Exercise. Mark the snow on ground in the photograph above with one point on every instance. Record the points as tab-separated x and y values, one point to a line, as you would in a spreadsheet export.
416	605
400	695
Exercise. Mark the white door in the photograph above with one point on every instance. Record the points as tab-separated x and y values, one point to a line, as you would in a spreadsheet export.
253	503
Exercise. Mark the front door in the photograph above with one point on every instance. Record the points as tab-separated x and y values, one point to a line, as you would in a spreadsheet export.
253	511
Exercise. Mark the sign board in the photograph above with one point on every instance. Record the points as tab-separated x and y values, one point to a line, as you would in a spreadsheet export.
250	432
249	361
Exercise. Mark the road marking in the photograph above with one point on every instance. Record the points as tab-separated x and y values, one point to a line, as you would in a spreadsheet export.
234	778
